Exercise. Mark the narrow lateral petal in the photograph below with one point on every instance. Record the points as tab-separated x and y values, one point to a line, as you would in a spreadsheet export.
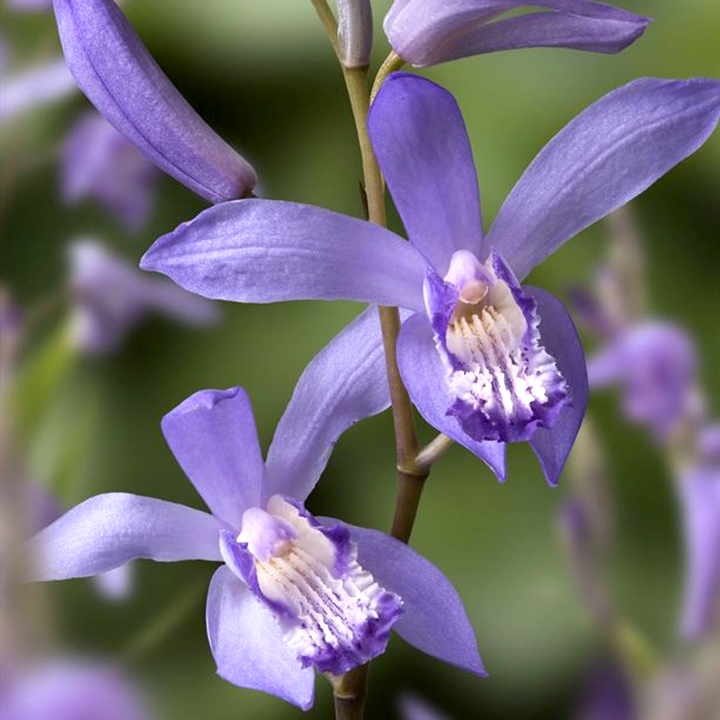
434	619
345	382
425	378
424	32
602	159
213	436
119	76
559	336
264	251
107	531
246	642
421	143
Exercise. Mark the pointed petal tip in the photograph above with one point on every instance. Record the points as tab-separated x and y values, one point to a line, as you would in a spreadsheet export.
205	400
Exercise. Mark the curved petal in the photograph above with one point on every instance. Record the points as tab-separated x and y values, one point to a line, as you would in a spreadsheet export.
602	159
247	644
106	531
420	140
559	337
119	76
424	32
345	382
424	375
434	619
264	251
213	436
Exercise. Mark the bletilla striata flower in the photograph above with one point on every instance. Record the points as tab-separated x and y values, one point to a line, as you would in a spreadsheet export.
98	162
486	360
427	32
109	296
119	76
294	592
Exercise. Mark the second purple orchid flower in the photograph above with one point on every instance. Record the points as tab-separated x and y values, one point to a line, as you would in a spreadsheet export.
486	360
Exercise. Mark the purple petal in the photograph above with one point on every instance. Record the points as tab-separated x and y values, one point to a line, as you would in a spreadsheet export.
115	585
119	76
559	336
424	377
434	618
213	436
106	531
421	143
247	644
602	159
345	382
700	496
425	32
263	251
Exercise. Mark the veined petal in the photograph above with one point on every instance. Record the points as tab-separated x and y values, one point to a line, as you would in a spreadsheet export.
424	32
247	644
424	377
559	336
345	382
213	436
106	531
421	143
602	159
119	76
434	618
264	251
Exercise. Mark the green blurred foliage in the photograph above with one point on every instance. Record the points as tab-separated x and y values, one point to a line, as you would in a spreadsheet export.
262	74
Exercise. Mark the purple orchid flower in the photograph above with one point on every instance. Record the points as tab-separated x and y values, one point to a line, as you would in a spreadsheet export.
68	689
98	162
110	296
427	32
655	364
119	76
295	592
485	360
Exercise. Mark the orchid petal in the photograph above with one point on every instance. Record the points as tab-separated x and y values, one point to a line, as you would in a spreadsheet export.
213	436
264	251
424	377
434	619
107	531
601	160
119	76
559	337
421	143
247	644
344	383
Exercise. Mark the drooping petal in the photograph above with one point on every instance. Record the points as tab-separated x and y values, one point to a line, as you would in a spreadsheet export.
421	143
247	644
699	491
434	618
264	251
425	33
106	531
119	76
345	382
213	436
602	159
559	336
424	377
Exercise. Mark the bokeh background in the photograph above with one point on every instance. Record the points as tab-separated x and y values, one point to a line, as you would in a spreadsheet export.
262	74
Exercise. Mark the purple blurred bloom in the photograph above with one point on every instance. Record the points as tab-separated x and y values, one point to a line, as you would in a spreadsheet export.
606	696
69	690
110	296
29	5
427	32
98	162
709	444
414	708
699	489
295	592
655	365
484	359
34	87
119	76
